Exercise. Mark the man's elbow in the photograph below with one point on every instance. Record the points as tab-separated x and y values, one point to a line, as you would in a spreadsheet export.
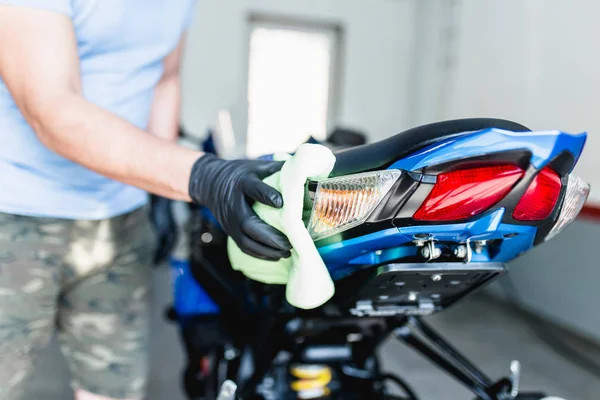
49	117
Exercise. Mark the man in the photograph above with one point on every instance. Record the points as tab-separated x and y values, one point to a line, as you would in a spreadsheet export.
89	106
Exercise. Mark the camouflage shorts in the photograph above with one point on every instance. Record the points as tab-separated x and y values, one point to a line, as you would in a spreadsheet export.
86	280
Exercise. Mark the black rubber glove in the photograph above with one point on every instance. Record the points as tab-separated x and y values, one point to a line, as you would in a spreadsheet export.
228	188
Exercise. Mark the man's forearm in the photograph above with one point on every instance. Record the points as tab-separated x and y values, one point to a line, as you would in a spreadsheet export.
166	107
109	145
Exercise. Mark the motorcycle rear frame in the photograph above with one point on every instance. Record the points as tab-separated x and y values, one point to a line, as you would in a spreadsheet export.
279	332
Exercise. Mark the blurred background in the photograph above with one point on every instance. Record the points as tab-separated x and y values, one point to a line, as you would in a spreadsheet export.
267	74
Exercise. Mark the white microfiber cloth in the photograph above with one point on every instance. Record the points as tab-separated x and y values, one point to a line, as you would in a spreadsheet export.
309	284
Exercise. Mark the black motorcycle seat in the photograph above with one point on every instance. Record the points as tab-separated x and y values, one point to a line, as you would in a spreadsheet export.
381	154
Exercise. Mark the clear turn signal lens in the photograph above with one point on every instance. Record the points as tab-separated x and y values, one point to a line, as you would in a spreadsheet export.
577	193
345	202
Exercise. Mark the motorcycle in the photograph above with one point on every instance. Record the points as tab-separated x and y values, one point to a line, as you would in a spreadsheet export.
407	227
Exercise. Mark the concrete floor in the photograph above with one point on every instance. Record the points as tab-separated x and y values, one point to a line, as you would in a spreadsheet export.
489	333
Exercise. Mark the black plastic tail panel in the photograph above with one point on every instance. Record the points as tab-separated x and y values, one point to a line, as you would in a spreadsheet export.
381	154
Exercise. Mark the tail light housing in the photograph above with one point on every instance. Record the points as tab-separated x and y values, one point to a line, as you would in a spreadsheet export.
345	202
466	193
575	196
540	198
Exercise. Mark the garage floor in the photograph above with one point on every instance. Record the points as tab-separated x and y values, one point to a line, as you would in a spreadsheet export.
489	333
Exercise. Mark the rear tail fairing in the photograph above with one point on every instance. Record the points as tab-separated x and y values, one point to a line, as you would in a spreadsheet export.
390	233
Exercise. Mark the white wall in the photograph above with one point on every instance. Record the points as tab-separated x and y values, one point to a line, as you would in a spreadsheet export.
377	63
537	62
559	279
534	61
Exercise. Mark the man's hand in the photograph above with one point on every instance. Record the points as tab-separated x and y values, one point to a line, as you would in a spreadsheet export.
226	188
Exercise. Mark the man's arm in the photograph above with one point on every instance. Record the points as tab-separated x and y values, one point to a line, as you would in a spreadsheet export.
166	106
40	66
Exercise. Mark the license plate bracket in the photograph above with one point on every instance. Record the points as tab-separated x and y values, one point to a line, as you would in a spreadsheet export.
421	288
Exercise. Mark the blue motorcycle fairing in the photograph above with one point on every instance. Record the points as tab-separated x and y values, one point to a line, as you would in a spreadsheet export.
189	298
348	256
544	147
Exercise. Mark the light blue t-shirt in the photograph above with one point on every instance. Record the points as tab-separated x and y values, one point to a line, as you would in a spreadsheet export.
122	45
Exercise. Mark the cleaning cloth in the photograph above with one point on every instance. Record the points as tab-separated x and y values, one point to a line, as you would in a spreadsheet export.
309	284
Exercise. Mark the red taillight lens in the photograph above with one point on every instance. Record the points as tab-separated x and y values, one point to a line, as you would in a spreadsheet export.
465	193
540	198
